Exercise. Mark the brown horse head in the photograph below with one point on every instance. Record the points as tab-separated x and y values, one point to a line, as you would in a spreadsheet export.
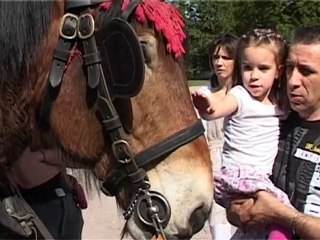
24	85
158	112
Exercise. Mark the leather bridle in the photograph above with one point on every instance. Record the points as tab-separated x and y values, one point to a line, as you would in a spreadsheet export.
77	27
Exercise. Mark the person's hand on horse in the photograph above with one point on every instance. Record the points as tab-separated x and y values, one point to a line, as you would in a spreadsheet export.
201	100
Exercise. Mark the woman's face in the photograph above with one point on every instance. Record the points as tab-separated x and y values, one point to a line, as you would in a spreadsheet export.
223	63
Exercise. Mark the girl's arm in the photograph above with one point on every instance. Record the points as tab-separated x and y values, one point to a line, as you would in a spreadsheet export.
211	107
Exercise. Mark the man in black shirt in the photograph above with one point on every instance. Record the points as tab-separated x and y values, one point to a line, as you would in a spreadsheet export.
50	193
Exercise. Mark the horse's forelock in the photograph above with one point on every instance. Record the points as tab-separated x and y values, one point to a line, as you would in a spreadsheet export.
23	25
166	18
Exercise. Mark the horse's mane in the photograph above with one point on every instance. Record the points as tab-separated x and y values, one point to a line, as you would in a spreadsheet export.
23	24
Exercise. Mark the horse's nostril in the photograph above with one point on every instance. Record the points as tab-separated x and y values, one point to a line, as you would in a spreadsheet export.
198	218
196	223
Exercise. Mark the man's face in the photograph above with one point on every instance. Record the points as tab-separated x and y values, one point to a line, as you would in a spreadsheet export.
303	76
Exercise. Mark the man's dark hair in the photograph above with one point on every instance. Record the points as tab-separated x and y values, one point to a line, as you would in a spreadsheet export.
306	35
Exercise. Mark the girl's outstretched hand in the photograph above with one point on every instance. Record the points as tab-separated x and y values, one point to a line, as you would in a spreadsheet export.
201	100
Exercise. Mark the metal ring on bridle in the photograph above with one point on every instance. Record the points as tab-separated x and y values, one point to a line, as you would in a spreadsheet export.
153	195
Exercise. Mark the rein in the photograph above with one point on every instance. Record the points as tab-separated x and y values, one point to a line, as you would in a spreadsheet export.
151	207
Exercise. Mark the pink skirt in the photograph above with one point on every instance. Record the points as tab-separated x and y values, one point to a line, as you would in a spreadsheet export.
233	182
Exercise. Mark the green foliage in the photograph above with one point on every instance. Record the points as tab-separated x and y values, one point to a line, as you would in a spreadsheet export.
207	19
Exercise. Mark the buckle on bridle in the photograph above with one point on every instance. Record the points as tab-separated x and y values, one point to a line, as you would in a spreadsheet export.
122	151
68	26
86	26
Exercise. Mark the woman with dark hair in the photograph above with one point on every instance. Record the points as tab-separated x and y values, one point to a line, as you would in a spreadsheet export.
222	54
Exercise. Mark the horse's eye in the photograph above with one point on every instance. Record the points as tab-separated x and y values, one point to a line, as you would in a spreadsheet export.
149	48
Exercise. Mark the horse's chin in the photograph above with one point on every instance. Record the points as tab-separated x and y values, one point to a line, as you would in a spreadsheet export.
136	233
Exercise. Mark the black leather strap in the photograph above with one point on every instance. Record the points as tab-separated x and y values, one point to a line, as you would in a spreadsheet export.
170	144
60	58
120	147
112	123
129	9
62	52
92	58
145	157
18	217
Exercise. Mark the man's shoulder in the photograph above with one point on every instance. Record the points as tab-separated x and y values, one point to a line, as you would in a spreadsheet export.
288	124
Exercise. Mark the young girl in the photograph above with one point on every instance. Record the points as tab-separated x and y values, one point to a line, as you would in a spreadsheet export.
253	110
